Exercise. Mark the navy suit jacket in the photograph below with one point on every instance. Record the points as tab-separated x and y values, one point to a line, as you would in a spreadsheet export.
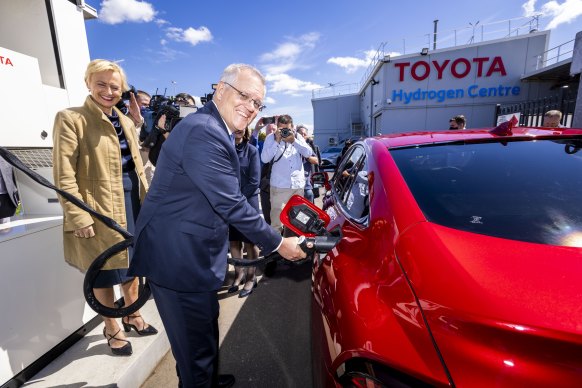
181	237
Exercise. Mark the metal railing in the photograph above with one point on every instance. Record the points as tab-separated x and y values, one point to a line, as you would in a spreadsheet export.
474	33
335	90
532	111
555	55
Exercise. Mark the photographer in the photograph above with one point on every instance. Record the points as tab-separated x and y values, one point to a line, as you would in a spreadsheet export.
166	113
286	151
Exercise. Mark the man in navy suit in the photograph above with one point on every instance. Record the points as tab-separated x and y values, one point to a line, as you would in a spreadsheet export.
181	235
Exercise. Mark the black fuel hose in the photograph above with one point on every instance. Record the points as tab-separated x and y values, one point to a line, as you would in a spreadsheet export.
309	245
144	291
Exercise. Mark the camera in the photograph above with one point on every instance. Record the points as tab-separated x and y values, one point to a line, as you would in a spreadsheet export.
269	120
159	105
162	105
126	96
285	132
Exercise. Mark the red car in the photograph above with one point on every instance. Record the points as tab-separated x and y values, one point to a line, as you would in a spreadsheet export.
459	264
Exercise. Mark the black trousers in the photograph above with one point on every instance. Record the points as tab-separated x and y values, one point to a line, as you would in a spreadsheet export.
191	323
265	197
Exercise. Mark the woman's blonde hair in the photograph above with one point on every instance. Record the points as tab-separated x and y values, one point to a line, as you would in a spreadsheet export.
99	65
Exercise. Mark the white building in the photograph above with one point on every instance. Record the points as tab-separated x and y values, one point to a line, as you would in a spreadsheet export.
422	91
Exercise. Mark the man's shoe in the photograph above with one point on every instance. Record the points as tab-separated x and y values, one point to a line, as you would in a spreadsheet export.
225	381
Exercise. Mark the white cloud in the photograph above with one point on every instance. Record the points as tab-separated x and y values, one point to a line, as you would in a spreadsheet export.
269	101
190	35
529	8
119	11
286	84
353	64
287	50
560	13
287	56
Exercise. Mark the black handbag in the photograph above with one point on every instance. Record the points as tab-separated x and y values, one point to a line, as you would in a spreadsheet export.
265	182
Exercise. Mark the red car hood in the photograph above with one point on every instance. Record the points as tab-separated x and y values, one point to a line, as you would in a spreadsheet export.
500	311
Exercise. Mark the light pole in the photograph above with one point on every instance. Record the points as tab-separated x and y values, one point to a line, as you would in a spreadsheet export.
174	83
473	36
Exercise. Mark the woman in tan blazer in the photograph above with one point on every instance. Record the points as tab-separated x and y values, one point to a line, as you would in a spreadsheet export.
96	158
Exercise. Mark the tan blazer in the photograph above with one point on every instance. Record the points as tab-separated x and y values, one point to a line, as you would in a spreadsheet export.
87	164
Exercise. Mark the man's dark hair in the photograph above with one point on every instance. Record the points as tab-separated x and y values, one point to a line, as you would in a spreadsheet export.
460	120
142	92
285	119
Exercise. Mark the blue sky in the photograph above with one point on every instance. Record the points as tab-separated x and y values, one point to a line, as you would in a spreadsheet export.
183	46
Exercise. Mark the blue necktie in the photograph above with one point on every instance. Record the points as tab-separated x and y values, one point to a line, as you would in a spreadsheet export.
231	136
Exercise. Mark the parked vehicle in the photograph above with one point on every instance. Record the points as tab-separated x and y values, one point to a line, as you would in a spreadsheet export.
352	138
459	262
330	157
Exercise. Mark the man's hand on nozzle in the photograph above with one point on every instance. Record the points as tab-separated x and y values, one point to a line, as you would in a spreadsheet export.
291	250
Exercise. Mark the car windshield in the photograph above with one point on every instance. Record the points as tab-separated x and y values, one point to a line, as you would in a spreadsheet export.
521	190
332	150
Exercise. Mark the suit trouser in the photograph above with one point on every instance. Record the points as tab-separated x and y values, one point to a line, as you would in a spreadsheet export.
279	198
191	323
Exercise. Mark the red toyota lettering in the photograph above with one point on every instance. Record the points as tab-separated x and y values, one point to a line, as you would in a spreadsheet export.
459	68
496	66
415	75
401	66
454	70
440	68
5	61
480	62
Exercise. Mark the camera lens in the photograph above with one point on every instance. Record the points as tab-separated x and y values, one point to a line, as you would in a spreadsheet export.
285	132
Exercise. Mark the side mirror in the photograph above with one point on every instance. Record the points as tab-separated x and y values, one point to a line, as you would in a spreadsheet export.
304	218
319	179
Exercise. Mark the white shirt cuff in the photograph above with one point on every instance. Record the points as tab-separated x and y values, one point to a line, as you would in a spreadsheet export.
278	246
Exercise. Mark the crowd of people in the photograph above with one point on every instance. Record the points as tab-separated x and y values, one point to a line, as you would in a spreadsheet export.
551	119
209	164
218	186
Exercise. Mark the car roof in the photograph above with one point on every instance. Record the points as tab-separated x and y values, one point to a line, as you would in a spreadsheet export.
397	140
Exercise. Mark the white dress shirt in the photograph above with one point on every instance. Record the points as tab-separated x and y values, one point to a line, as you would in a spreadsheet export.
287	172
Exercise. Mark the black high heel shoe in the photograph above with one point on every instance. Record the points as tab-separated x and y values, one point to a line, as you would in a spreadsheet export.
234	288
125	350
244	293
149	330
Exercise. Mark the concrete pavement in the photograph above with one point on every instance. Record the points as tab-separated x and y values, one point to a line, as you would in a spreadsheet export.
264	338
